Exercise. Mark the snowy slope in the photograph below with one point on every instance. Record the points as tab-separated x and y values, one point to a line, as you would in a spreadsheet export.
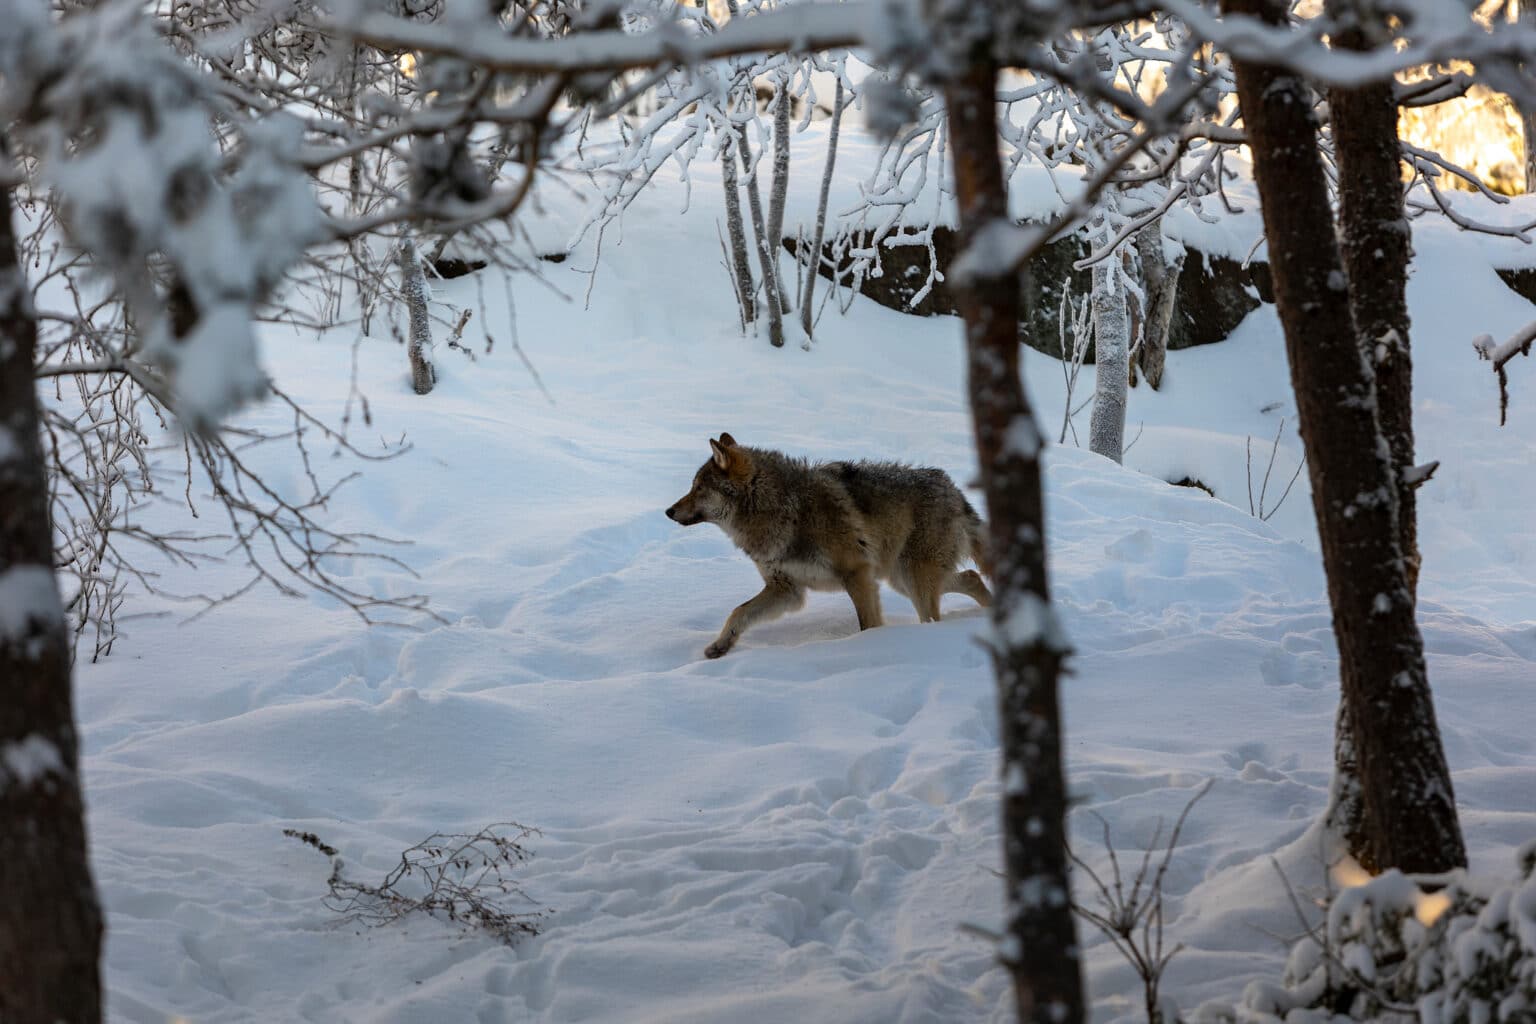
797	831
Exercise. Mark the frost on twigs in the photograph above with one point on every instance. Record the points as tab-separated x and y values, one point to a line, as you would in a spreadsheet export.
192	238
463	878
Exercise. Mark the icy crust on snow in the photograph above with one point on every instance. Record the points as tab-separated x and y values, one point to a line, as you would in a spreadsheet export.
796	831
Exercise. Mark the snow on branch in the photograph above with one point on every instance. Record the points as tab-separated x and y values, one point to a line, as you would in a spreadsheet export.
1499	355
1439	33
800	28
117	125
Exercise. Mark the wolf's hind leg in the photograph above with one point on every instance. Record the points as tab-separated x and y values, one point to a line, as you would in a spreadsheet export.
779	595
970	584
864	589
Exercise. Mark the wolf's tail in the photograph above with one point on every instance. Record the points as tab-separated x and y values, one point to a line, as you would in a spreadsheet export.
976	533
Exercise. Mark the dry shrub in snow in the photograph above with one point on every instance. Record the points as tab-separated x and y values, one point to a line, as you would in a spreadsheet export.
465	878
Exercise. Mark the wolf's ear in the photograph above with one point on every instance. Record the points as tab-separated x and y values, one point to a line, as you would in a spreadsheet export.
727	441
722	457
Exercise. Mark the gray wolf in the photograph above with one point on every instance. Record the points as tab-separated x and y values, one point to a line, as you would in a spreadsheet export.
836	526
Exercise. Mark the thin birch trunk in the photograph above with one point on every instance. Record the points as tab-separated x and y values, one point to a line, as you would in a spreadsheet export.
821	212
413	288
367	293
766	253
1160	284
1111	340
745	288
766	256
780	190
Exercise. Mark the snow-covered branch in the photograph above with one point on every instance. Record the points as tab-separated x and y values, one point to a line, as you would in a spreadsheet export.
1518	343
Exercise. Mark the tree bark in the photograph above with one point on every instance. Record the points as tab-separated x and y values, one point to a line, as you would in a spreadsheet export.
821	211
1405	786
767	255
1160	285
413	288
1375	242
767	250
50	921
745	288
1525	13
1111	339
1375	236
779	193
1039	944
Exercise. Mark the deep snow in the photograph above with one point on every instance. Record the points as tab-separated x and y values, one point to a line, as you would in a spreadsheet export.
798	831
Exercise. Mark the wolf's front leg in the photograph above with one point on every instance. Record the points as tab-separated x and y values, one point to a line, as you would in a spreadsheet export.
864	589
779	595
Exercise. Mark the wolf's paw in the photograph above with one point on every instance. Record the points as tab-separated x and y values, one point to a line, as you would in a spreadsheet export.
717	649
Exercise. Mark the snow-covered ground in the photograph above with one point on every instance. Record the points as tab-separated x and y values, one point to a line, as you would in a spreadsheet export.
796	832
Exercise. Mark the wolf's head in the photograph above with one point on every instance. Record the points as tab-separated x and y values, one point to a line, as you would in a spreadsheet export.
718	486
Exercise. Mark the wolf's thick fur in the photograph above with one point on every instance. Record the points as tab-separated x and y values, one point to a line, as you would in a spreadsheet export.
836	526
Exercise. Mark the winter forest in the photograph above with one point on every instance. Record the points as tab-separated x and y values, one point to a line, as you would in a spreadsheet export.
768	511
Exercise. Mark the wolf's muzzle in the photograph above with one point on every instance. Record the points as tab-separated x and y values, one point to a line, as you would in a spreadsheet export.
672	514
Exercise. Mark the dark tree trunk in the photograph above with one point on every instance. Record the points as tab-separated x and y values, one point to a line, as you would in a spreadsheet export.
1040	944
1374	234
50	922
1525	13
1405	786
1374	238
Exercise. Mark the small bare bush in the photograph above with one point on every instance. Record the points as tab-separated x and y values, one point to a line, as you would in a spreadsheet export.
465	878
1259	508
1131	915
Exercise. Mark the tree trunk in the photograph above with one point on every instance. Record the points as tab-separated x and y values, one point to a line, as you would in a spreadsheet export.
50	922
1160	285
780	190
1039	941
1405	786
745	289
1374	238
742	267
767	254
767	251
413	288
1111	340
1525	13
821	211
